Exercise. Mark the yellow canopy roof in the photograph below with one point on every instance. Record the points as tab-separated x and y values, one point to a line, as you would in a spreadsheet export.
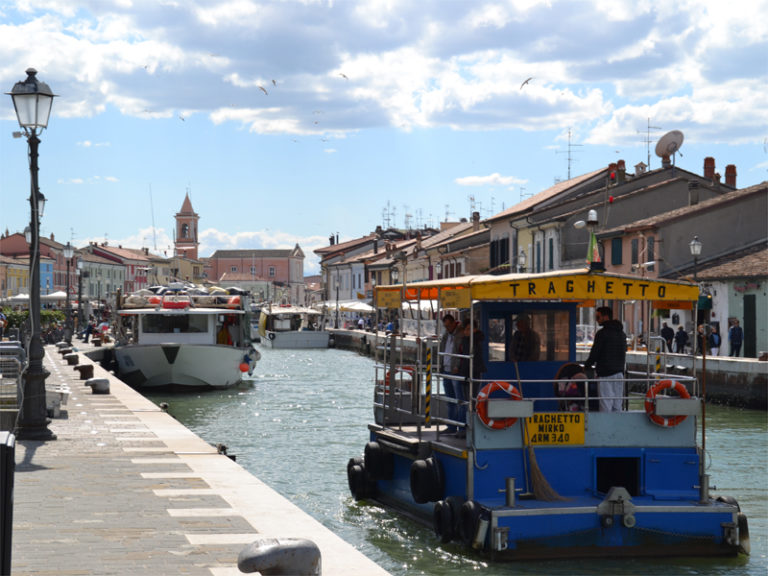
564	285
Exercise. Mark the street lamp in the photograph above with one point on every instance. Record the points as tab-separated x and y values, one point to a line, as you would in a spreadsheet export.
68	327
336	323
79	272
32	100
695	247
522	257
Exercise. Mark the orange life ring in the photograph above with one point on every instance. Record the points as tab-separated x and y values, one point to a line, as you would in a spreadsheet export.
482	404
233	302
174	302
650	405
407	369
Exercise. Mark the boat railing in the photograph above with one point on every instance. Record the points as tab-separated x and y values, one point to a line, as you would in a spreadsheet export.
403	397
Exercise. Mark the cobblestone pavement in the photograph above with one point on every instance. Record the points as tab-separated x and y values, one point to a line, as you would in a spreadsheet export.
125	489
103	498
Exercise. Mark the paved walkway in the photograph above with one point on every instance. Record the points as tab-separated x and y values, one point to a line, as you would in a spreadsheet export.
126	489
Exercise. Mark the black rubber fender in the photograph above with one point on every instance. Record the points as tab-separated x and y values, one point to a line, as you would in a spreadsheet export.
451	517
427	480
360	484
729	500
744	545
437	518
271	336
470	514
379	463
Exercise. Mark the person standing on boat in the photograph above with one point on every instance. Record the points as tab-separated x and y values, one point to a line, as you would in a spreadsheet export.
450	344
608	356
526	343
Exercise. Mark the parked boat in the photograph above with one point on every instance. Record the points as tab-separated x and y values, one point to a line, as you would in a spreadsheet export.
292	327
536	471
180	336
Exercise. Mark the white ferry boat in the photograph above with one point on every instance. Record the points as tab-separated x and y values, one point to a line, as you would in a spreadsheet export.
184	338
292	327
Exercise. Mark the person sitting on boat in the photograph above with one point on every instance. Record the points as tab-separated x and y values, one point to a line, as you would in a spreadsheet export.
526	343
608	356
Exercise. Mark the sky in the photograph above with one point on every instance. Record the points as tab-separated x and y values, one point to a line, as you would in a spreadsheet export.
289	121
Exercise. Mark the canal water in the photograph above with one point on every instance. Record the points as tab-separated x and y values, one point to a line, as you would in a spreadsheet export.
306	413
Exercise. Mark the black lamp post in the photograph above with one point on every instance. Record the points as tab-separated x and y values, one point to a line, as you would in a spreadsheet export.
32	100
336	323
79	272
68	327
695	247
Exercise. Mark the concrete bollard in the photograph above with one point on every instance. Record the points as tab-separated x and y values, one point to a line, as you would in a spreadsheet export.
72	358
299	557
98	385
86	371
65	350
96	341
61	345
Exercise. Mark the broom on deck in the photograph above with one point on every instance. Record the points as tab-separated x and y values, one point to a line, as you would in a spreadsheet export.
541	488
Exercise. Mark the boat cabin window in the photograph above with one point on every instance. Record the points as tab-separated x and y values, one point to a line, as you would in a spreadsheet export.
529	336
162	324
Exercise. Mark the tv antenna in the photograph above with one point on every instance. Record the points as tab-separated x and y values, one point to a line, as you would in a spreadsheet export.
669	144
647	139
570	158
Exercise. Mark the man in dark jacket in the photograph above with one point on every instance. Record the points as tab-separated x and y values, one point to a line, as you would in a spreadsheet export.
608	356
668	334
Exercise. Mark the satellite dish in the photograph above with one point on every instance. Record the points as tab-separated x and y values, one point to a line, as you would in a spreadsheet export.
669	144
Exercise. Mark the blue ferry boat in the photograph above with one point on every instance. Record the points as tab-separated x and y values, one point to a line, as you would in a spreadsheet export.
536	470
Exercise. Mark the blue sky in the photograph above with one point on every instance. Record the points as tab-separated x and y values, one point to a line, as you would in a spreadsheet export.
289	121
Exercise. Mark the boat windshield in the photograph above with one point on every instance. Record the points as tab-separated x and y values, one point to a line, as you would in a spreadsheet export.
177	324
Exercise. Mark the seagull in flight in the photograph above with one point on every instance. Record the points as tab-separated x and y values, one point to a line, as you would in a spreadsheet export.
264	90
526	82
274	82
343	75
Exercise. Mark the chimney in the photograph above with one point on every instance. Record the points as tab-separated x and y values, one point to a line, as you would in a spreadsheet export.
716	181
375	245
665	162
330	239
730	175
709	168
475	221
693	192
337	237
640	168
621	172
146	251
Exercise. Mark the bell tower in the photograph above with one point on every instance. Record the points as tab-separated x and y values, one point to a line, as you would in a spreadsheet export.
186	243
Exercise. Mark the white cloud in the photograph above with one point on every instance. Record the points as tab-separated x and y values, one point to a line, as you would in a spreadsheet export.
494	179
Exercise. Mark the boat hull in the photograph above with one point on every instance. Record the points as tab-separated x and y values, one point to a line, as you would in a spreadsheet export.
296	339
180	365
443	483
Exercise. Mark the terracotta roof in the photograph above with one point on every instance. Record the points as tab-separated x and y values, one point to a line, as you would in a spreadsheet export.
186	207
550	192
342	246
749	263
283	253
124	253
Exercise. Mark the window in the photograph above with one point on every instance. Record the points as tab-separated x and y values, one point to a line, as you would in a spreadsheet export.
635	244
538	256
616	251
271	271
157	324
551	254
253	269
233	269
530	336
